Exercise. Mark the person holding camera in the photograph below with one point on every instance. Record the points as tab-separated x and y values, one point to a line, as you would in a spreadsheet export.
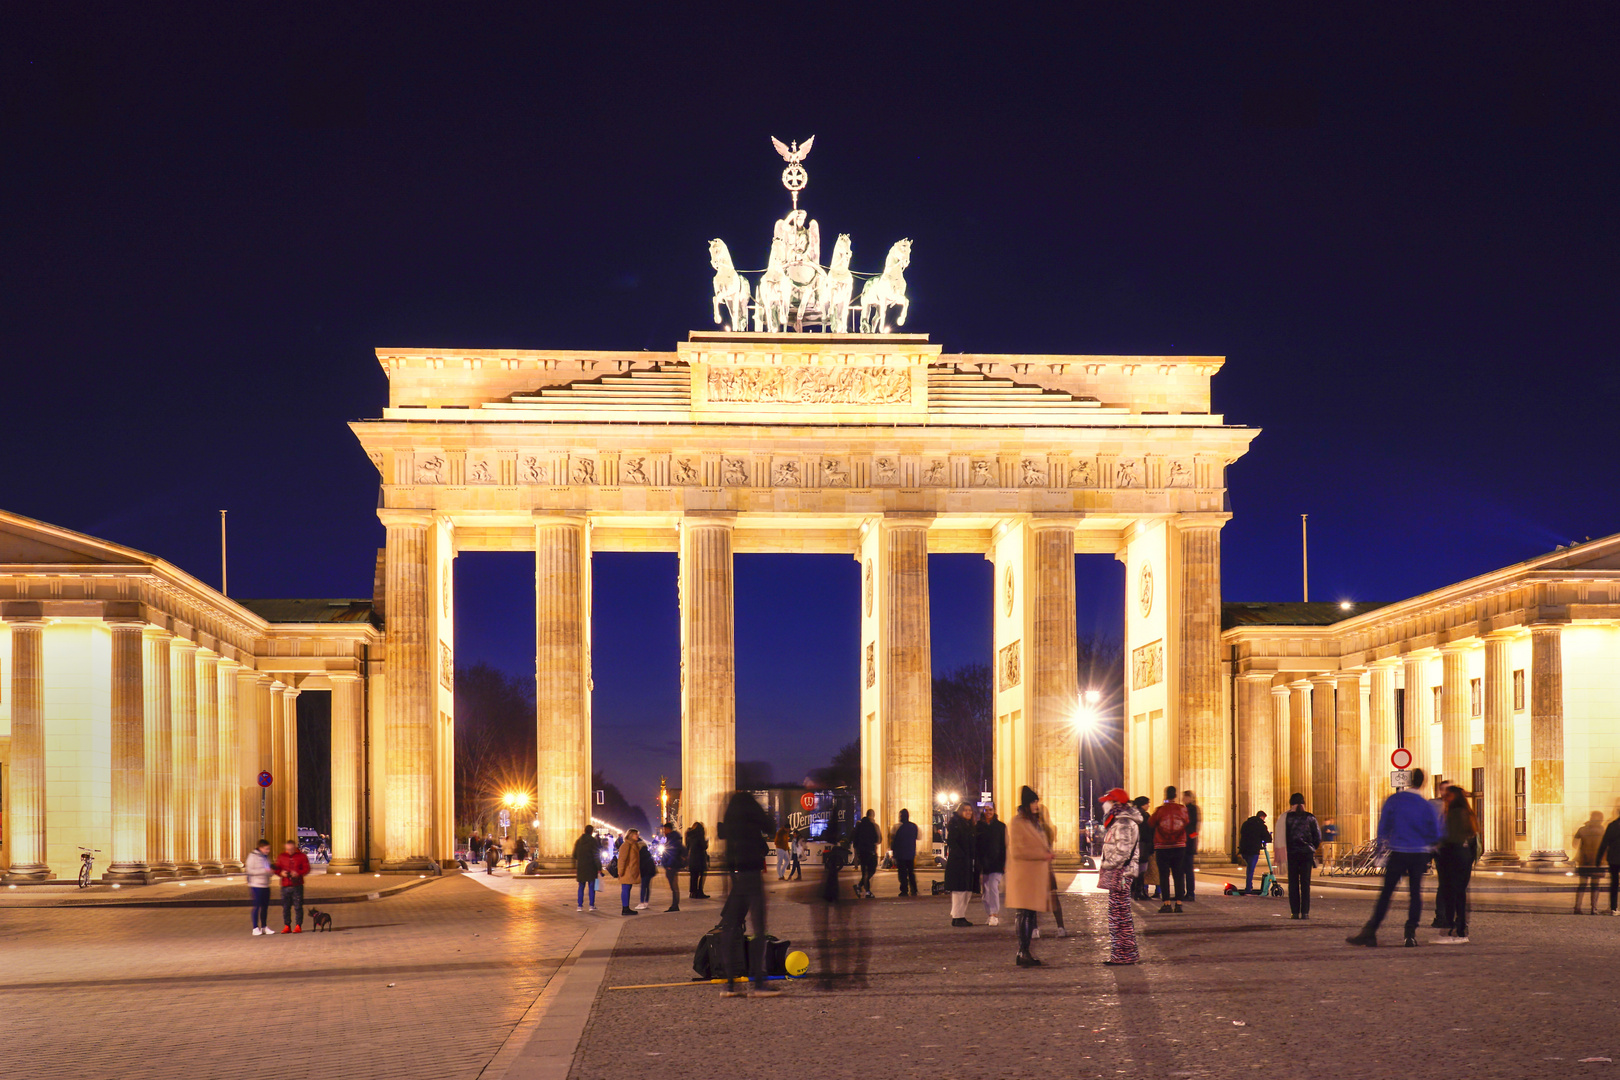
1304	837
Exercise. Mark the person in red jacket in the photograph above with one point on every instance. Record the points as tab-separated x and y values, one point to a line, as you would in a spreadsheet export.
293	866
1169	824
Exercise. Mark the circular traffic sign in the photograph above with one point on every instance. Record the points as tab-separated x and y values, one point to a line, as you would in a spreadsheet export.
1401	758
808	800
265	779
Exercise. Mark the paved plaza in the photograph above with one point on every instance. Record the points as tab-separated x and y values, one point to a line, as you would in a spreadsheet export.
500	978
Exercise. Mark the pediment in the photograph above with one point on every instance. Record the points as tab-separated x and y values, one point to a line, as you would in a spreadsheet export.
1600	554
24	541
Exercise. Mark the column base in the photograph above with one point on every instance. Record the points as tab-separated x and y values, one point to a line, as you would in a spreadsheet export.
1499	858
417	863
185	870
36	872
161	872
1547	860
208	869
231	867
343	866
128	874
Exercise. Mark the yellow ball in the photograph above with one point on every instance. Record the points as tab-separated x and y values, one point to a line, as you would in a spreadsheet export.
797	964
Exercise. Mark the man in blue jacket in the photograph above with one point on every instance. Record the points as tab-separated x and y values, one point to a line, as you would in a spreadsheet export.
1409	829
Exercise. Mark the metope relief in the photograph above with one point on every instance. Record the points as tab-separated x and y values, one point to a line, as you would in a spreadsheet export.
1147	665
534	470
736	471
871	663
1180	475
1033	473
1080	474
684	471
934	475
1009	666
481	471
811	385
785	474
885	470
430	470
447	668
1128	474
982	475
584	471
634	471
834	473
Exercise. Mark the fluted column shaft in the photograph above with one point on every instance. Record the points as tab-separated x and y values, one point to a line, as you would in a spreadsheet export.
1321	793
1497	823
1053	673
410	700
1201	719
228	804
208	854
1255	756
159	755
708	670
27	803
1381	744
128	856
1281	752
183	697
1456	748
1350	772
562	626
1418	699
275	820
248	792
267	695
1299	742
346	786
289	763
1547	832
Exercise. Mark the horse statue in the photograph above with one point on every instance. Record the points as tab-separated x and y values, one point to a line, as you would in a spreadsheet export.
887	290
837	288
773	298
730	288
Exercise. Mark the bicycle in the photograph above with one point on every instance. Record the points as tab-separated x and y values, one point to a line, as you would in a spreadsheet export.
86	857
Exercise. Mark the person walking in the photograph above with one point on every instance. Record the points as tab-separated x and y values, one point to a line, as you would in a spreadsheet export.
587	866
1122	821
903	845
1253	836
293	866
959	843
1303	836
492	855
783	841
1195	817
1029	872
697	860
1587	840
630	870
990	855
1608	853
1454	861
673	858
508	848
649	870
258	869
796	856
744	830
1442	898
866	841
1169	824
522	851
839	922
1147	869
1409	830
1058	929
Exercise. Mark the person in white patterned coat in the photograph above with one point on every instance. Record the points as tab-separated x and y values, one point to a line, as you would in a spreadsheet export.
1122	824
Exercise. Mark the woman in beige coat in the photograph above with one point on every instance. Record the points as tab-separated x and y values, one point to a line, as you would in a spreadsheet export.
629	869
1029	871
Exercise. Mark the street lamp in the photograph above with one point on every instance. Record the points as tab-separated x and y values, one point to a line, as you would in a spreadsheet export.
1087	713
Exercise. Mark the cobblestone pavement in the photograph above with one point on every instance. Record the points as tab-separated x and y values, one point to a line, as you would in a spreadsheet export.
429	983
1231	987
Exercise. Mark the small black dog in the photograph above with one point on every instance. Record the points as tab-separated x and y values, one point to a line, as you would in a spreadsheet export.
319	920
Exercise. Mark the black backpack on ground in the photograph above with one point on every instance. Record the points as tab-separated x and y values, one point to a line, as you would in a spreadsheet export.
708	960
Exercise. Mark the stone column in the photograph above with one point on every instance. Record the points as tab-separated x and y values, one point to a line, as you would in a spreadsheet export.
1281	752
346	764
1382	743
248	791
159	755
1418	699
907	683
1323	724
267	695
1456	748
1547	823
208	855
1255	756
1299	746
289	743
1201	719
1053	673
128	856
562	650
275	818
410	700
26	824
1350	772
229	803
708	669
1497	824
183	698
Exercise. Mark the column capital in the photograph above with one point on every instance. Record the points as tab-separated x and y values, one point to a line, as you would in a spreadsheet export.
1039	521
182	644
1258	676
1462	645
715	519
227	664
1388	663
1510	634
1349	676
128	625
560	517
343	676
23	612
1206	520
1317	678
905	519
1547	626
392	516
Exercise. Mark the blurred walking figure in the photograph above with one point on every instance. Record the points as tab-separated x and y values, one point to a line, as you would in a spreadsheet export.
1609	851
841	938
866	841
1169	823
522	851
674	858
649	870
258	871
744	830
959	843
629	869
784	840
1454	861
697	860
1195	817
1029	871
904	846
587	866
990	855
492	855
1303	837
1588	838
1408	828
1147	869
1058	930
509	849
1252	839
796	854
1122	824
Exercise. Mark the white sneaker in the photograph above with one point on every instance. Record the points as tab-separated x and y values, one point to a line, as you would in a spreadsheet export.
641	907
1036	932
257	931
581	908
1060	932
992	921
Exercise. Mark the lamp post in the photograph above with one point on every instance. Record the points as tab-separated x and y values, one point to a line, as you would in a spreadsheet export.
1085	721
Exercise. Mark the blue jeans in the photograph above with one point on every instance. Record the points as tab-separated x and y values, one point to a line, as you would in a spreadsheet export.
1250	861
259	901
624	895
587	885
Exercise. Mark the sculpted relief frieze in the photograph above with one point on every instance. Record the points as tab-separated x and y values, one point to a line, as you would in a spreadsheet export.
1147	665
811	384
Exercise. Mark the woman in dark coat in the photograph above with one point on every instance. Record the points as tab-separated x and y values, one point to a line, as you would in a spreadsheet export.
960	841
587	865
697	860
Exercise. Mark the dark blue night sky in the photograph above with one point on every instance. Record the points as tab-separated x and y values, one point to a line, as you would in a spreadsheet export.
1398	223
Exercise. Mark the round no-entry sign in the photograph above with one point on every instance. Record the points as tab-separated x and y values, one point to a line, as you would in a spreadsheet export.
808	800
265	779
1401	758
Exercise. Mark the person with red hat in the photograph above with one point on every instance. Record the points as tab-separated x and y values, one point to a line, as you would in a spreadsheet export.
1122	823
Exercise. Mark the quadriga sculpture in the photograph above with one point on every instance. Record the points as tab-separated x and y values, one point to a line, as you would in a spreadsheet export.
887	290
730	288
